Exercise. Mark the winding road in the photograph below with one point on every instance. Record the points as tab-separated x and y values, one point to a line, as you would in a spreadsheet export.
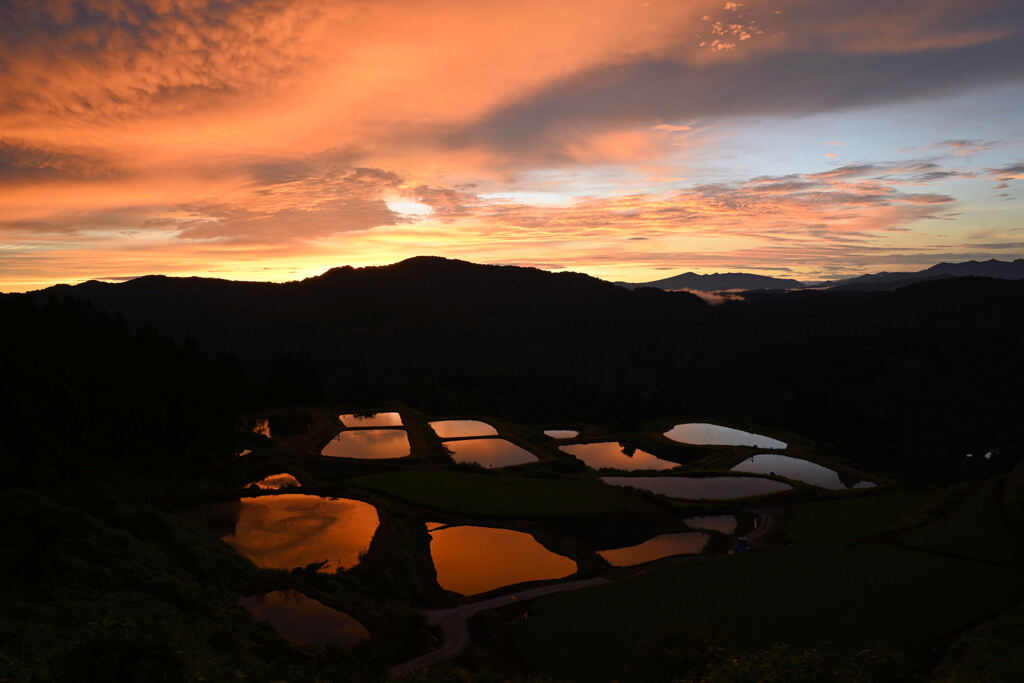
454	620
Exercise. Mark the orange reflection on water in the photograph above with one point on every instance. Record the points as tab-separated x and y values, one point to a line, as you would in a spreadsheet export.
371	420
475	559
489	452
305	621
666	545
610	454
368	444
262	426
456	429
726	524
292	530
276	481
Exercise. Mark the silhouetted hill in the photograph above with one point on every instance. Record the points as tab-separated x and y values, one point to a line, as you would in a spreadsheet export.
887	282
922	374
716	282
82	391
392	300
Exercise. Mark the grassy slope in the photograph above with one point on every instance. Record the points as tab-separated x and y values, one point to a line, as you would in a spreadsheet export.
854	519
89	602
805	595
497	495
975	528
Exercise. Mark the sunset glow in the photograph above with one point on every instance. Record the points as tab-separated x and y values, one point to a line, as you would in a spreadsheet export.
629	140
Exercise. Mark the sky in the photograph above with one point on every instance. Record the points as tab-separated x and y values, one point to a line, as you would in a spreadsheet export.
273	140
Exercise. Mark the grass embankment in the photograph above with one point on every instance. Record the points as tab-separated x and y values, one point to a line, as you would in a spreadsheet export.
148	596
975	528
854	519
495	495
805	596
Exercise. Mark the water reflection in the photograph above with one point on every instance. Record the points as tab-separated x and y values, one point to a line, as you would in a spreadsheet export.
368	444
798	469
703	434
725	524
262	426
711	488
666	545
371	420
305	621
561	433
474	559
293	530
454	429
276	481
616	456
490	452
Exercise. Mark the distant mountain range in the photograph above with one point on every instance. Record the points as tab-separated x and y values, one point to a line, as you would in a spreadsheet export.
716	282
875	282
887	282
458	339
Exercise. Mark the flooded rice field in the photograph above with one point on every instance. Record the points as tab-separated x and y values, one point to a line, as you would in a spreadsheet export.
703	434
702	488
797	469
371	420
276	481
725	524
665	545
457	429
614	455
476	559
490	452
368	444
305	621
293	530
561	433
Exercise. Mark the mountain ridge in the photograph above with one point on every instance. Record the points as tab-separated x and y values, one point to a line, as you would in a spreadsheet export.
881	281
715	282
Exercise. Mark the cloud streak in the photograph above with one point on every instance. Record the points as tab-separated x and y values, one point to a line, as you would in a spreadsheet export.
201	136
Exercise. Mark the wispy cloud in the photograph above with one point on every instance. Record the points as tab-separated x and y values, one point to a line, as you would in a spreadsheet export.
199	135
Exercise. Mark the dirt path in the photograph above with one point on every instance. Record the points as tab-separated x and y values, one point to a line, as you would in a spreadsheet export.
453	621
765	525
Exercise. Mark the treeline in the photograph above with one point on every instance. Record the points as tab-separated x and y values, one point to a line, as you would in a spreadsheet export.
82	391
906	381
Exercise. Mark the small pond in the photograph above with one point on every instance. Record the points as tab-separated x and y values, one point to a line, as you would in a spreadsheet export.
703	434
262	426
305	621
695	488
489	452
797	469
616	456
476	559
371	420
276	481
293	530
368	444
665	545
725	524
561	433
456	429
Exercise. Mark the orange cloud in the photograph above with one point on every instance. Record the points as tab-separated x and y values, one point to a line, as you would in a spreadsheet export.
188	136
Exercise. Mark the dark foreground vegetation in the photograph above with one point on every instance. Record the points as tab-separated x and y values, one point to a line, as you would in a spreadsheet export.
120	403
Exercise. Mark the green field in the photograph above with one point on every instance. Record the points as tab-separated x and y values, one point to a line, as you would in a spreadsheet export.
846	598
975	528
498	495
854	519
